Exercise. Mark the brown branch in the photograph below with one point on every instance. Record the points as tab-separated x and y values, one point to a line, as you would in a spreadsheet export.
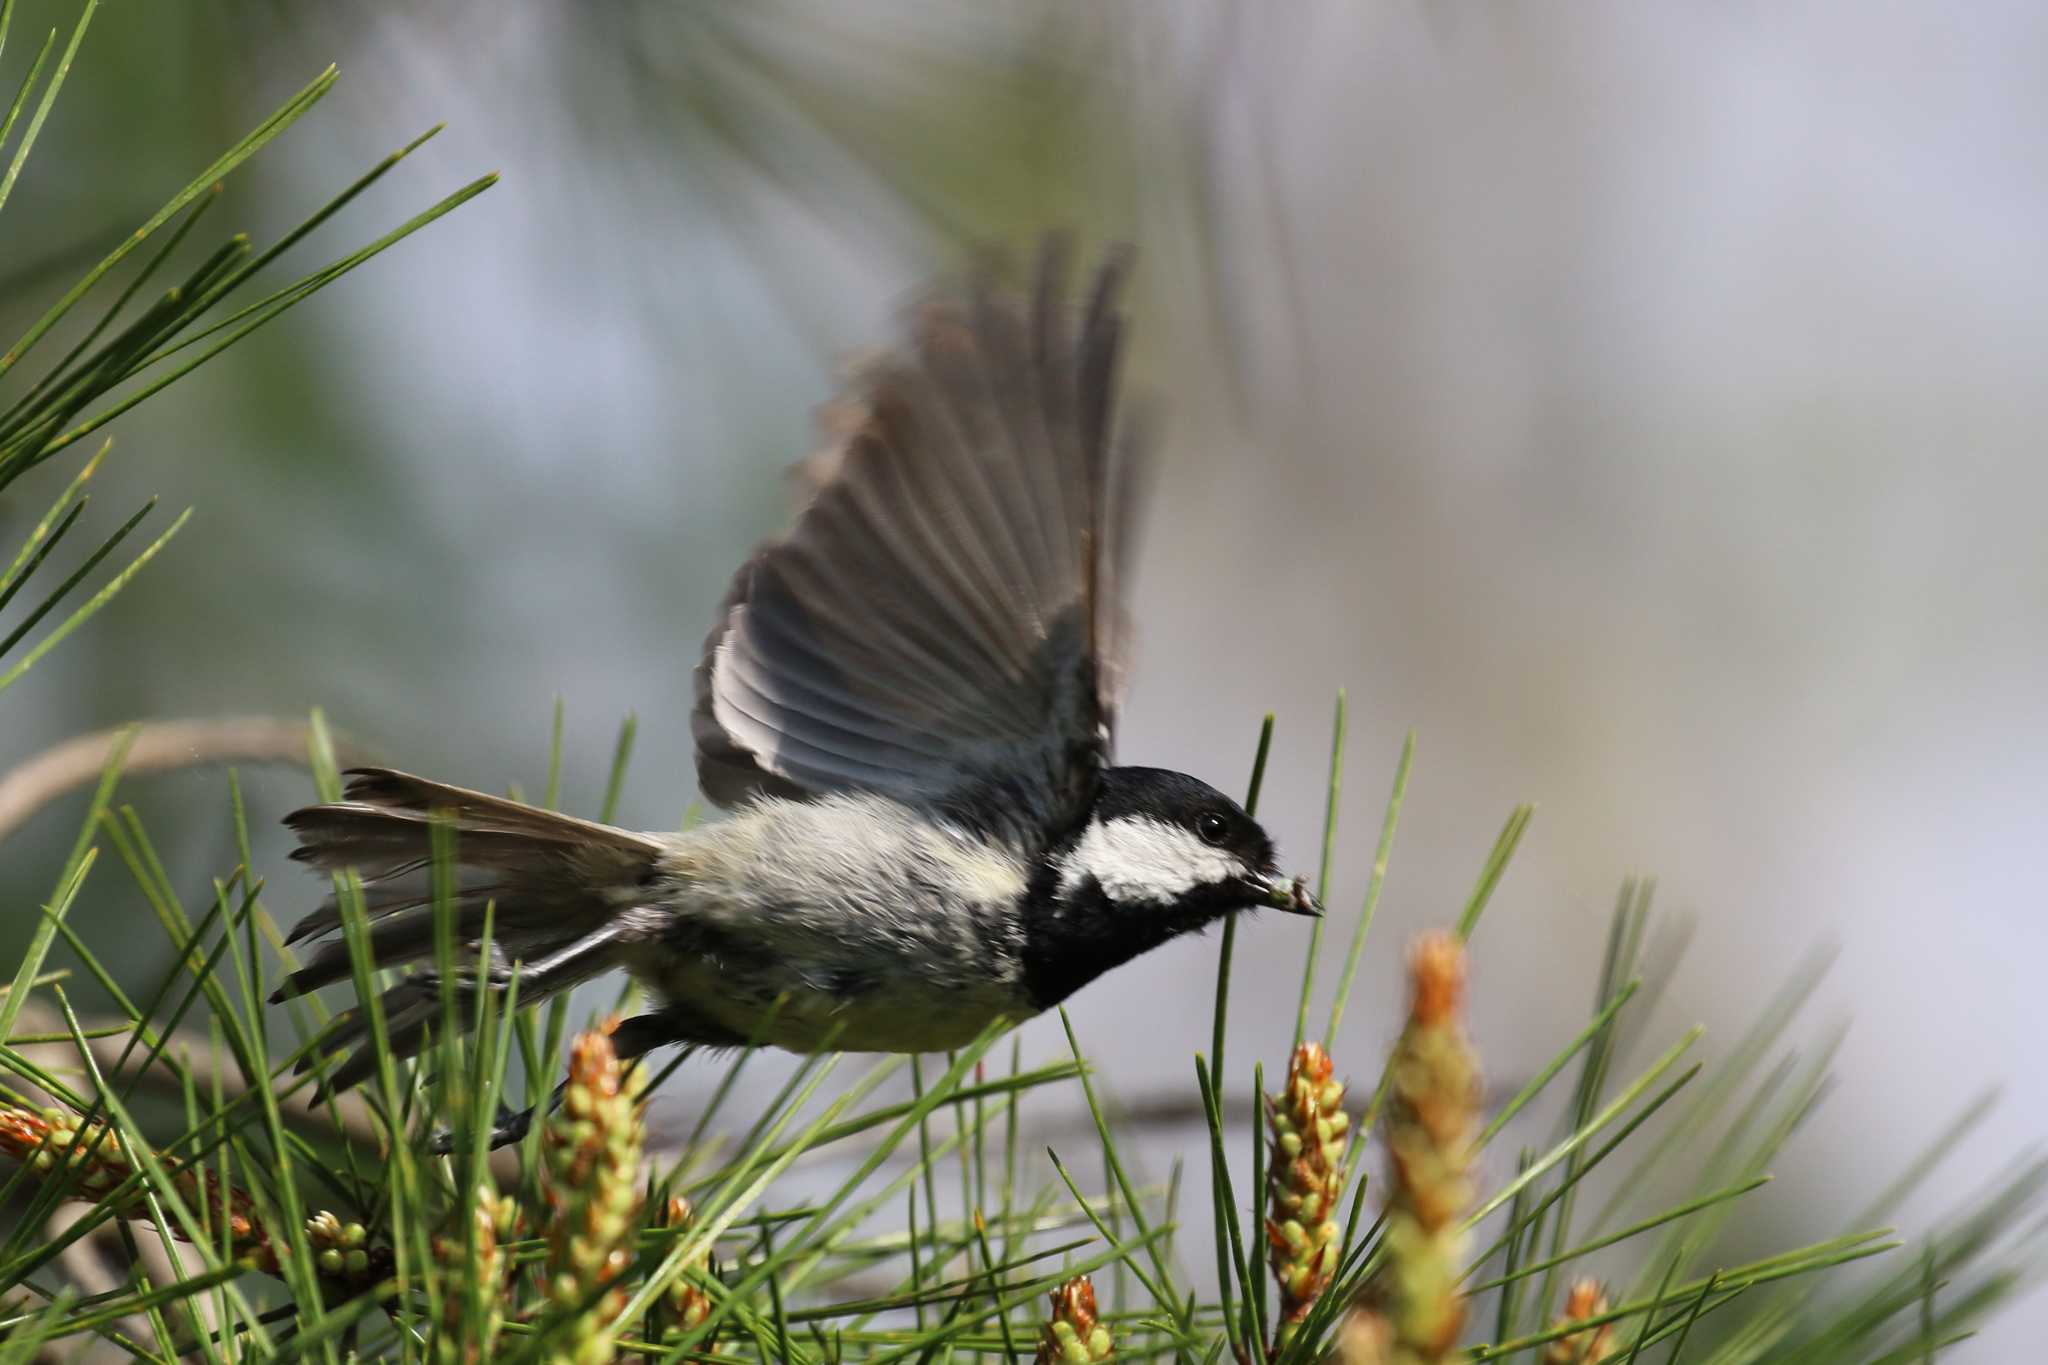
159	746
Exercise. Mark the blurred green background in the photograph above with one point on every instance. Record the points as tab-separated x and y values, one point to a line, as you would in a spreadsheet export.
1641	402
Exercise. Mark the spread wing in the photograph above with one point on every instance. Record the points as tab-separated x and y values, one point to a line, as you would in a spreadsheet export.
941	624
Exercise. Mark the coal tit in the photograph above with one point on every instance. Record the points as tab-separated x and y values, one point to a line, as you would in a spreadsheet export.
907	702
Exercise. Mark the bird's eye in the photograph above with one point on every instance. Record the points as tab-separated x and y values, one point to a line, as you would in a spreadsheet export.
1212	827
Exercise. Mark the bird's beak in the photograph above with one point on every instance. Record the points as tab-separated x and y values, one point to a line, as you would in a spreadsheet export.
1286	893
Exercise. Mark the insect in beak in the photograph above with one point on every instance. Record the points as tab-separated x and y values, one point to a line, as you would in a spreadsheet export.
1289	894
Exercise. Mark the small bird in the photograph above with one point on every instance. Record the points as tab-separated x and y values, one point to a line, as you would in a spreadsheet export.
907	702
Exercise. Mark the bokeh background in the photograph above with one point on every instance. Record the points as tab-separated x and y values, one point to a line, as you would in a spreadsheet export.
1641	402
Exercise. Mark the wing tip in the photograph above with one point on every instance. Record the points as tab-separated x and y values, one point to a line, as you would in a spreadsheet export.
1040	319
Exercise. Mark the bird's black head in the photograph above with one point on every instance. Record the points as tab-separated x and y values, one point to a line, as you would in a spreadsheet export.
1160	854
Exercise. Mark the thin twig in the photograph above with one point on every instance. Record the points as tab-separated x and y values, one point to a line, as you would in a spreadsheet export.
159	746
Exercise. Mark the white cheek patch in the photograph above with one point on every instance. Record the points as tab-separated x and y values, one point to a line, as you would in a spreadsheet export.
1136	859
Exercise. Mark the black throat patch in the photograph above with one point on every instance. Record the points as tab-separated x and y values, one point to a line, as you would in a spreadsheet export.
1071	939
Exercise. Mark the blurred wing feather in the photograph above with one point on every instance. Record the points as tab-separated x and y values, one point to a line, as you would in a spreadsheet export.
942	619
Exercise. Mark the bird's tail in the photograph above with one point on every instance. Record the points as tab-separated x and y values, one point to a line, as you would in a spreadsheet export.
553	885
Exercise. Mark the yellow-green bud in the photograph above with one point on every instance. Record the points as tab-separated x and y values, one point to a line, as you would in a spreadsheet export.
1309	1134
1073	1334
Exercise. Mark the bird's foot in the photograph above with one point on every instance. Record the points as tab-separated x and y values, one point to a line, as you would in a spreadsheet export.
508	1128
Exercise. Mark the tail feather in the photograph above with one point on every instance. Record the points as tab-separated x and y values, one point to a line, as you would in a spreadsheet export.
547	881
391	790
357	834
408	1012
542	863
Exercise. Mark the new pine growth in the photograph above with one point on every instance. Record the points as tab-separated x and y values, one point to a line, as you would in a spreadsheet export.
1413	1311
1074	1335
1310	1131
592	1152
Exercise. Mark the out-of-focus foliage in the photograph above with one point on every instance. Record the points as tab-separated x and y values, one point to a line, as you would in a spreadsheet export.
151	311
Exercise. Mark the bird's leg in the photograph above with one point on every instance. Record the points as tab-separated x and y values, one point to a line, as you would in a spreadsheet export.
632	1040
636	1037
509	1126
543	976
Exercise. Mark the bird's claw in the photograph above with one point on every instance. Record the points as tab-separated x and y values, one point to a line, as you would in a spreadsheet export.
506	1130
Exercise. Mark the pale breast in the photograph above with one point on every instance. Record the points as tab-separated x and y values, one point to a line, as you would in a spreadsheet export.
875	929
